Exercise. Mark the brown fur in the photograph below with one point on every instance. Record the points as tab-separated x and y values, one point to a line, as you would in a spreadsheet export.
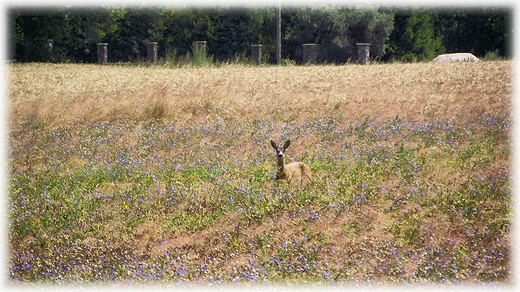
295	170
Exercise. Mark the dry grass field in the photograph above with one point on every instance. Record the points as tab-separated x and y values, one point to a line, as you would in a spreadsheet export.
66	93
122	174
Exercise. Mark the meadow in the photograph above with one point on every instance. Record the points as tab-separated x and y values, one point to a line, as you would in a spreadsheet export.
125	175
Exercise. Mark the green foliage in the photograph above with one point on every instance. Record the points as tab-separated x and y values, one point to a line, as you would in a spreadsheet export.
477	30
231	36
138	26
492	56
196	58
415	37
337	30
176	29
395	33
322	25
263	31
33	29
74	33
369	25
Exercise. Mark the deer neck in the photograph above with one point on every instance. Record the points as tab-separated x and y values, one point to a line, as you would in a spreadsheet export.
281	166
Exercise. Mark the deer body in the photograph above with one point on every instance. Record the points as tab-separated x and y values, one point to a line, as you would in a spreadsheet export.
298	171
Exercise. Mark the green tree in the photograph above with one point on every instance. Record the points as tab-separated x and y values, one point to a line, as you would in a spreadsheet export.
133	30
231	37
415	37
176	28
263	30
476	30
322	25
226	30
86	28
337	30
33	29
74	33
369	25
405	33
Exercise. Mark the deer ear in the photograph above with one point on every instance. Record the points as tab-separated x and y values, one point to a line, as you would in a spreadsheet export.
286	145
274	145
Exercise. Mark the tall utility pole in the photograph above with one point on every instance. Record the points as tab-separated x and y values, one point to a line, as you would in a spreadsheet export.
279	34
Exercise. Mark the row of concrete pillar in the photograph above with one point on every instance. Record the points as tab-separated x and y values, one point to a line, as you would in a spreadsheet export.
309	52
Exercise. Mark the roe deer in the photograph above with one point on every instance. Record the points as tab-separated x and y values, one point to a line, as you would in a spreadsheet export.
295	170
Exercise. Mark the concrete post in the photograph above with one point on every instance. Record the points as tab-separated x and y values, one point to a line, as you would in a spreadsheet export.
202	46
256	51
50	43
309	53
102	52
363	53
151	51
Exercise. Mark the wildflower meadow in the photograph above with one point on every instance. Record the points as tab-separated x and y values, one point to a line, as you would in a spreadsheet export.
125	175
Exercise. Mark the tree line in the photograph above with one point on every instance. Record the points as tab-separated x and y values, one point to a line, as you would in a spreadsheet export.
409	34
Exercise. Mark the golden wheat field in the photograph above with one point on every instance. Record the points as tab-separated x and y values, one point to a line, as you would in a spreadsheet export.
143	174
64	93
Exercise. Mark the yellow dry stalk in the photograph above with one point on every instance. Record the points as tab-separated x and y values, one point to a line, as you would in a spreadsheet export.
66	92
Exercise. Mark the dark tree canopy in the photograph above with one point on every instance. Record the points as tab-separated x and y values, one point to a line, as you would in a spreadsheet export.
66	34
